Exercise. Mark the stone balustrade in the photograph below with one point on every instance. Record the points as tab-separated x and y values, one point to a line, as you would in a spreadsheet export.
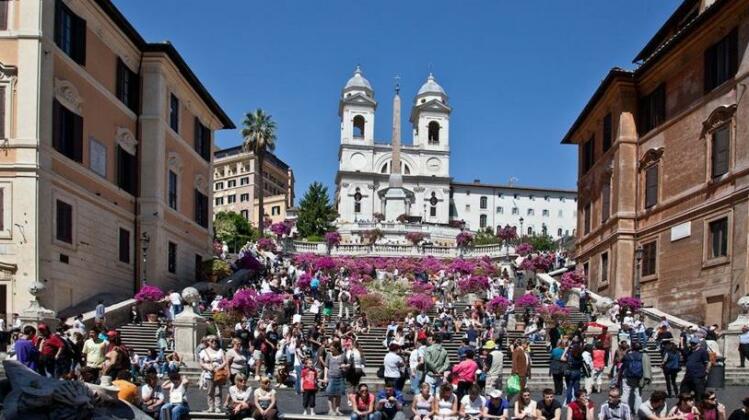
399	250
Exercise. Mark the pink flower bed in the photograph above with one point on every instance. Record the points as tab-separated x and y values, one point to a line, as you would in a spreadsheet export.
266	244
420	302
149	293
464	239
473	284
629	302
332	238
572	280
553	312
524	249
500	304
527	301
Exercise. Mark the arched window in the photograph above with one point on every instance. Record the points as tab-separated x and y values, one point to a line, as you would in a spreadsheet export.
406	169
559	232
530	230
434	132
384	168
544	230
482	221
483	202
358	127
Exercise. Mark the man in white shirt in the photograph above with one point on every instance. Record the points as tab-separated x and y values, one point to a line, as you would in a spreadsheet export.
415	364
393	364
100	313
422	319
176	300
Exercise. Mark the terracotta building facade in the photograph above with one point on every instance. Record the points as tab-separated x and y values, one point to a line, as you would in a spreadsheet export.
236	183
663	175
106	140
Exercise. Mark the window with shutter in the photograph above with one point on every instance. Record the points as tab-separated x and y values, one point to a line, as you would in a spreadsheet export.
605	201
607	133
652	109
70	33
172	257
648	259
718	230
588	154
720	150
173	190
128	86
124	246
2	209
721	61
605	267
201	209
174	113
4	15
127	167
651	186
67	132
64	222
586	220
202	140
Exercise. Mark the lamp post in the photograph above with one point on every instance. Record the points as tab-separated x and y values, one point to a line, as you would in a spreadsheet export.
145	240
521	228
638	270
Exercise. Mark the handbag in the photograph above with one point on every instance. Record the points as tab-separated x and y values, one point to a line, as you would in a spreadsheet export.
220	376
513	384
381	372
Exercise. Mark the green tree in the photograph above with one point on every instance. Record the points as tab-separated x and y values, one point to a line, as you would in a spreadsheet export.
316	213
485	237
541	242
259	136
232	228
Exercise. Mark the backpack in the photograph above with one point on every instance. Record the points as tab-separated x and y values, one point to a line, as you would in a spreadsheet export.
672	361
634	368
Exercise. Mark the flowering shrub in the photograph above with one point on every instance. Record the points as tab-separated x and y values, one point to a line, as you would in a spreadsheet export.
243	301
507	233
403	218
149	293
372	235
461	266
281	229
553	312
324	264
378	217
473	284
270	300
420	302
524	249
422	287
629	303
500	304
415	237
464	239
538	263
247	261
357	288
215	269
527	301
332	238
266	244
457	223
572	280
381	311
303	282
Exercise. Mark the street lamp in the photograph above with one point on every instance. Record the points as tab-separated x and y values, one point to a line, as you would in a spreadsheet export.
638	270
521	227
145	240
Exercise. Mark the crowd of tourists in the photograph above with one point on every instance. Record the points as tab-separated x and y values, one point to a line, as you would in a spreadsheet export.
244	365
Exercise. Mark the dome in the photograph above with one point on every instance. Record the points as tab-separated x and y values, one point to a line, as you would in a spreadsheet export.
358	82
431	87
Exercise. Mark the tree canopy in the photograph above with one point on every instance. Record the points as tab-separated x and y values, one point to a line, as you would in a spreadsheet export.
232	228
316	212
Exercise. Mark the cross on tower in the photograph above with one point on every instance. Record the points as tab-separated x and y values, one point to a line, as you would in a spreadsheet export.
397	84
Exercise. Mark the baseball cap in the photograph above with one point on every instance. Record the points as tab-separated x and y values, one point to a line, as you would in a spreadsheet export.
495	394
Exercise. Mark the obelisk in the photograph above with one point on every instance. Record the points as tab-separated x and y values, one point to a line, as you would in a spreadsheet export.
395	196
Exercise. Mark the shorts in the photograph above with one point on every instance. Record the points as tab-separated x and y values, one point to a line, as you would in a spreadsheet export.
336	387
257	355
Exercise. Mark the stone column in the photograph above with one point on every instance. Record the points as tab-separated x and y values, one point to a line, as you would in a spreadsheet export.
731	334
189	328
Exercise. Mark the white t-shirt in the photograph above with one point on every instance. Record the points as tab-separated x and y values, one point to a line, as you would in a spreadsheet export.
240	396
296	319
473	408
413	359
146	392
391	362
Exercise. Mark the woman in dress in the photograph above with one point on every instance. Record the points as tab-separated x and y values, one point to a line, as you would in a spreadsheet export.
335	370
423	404
446	406
235	359
265	401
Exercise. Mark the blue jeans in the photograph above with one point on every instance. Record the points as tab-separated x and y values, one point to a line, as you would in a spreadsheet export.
178	411
415	382
298	382
572	380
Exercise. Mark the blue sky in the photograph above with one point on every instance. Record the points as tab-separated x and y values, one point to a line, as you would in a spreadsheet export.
517	72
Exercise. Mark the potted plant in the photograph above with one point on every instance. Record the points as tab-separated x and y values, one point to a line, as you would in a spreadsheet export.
332	239
415	237
149	300
215	269
472	286
464	239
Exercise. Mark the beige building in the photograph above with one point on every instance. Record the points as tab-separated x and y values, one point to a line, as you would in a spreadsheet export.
664	168
237	182
106	139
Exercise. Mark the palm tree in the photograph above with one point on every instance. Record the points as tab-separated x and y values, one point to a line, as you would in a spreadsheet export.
259	136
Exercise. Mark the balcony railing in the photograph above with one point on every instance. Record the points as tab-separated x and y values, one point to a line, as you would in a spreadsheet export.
399	250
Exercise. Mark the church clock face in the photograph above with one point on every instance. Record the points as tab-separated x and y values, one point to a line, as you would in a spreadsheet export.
358	161
434	164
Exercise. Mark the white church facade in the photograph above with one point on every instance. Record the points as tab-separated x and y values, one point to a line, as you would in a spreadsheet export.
367	182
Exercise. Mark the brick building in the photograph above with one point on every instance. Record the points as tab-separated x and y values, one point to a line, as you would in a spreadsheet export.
664	165
106	139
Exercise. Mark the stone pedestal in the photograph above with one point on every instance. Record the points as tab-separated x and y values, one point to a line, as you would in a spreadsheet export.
395	203
36	314
572	299
189	328
731	334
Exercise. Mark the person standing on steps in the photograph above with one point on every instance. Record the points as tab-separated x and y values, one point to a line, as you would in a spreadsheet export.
494	366
435	362
671	366
557	366
744	345
521	361
696	367
636	373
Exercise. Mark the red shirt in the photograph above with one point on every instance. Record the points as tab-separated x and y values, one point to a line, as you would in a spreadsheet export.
309	379
465	371
51	345
577	409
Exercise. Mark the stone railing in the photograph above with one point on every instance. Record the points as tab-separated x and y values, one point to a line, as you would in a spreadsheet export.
399	250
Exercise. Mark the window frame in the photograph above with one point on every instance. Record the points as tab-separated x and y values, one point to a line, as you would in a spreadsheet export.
730	125
172	196
652	112
607	138
6	210
483	221
67	132
646	205
127	164
77	36
604	275
588	157
711	75
174	112
654	275
72	244
483	202
201	205
606	201
127	86
128	254
587	218
707	259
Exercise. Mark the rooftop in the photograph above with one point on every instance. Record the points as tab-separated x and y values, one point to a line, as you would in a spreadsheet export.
168	49
479	184
237	150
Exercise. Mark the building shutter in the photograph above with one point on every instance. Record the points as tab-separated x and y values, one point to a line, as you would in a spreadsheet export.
76	148
721	148
3	134
4	15
607	133
605	201
124	246
651	186
79	40
64	222
2	208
